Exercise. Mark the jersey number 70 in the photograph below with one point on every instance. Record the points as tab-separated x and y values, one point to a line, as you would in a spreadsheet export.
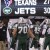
22	29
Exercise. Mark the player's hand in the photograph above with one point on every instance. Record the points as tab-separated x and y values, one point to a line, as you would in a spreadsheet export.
33	37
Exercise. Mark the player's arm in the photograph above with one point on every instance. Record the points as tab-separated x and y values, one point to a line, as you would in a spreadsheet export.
44	29
14	31
30	33
13	38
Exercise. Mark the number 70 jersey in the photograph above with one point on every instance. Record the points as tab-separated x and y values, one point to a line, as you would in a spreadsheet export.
22	28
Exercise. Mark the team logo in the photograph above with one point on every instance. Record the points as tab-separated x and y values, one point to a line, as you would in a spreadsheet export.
7	10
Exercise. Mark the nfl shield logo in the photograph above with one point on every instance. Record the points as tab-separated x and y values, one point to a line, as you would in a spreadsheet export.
8	2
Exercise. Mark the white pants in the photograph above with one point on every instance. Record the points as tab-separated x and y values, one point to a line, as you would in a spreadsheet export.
30	42
41	41
32	48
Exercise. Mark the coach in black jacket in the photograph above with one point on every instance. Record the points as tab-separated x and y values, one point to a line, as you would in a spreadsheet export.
3	29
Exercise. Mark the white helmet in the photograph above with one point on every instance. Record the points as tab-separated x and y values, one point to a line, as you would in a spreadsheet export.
21	20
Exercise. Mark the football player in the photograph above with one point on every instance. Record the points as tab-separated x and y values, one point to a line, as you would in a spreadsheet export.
42	34
21	32
36	31
47	36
